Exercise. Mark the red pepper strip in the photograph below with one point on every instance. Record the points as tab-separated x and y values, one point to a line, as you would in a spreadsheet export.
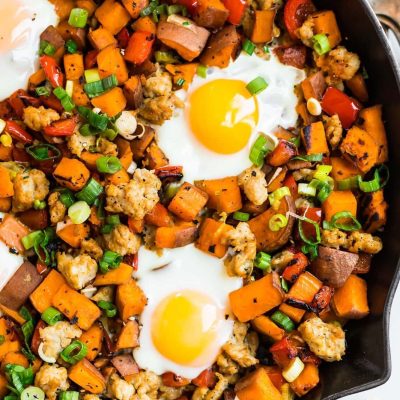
295	13
236	10
20	155
17	132
283	351
16	104
24	95
52	102
291	183
322	298
52	71
63	127
36	336
315	214
91	58
123	38
336	102
296	267
139	47
172	380
41	268
207	378
169	171
191	5
132	260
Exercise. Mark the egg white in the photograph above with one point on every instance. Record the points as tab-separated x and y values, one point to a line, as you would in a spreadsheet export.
20	57
277	107
185	268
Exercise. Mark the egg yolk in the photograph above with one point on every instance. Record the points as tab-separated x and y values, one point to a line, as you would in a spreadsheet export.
222	115
184	328
13	28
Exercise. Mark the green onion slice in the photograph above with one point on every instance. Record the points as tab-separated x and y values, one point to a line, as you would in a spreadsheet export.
98	121
46	48
90	192
284	285
248	47
277	222
51	316
110	260
43	152
377	183
322	172
43	91
306	189
108	307
321	44
201	71
78	17
70	395
165	57
263	261
79	212
277	195
75	352
71	46
32	393
241	216
257	85
261	147
303	237
283	321
108	164
348	183
67	197
309	157
352	225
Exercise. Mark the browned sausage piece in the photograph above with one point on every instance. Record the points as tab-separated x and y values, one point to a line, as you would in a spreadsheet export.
34	219
78	35
52	36
211	13
334	266
133	92
292	55
20	286
125	365
183	35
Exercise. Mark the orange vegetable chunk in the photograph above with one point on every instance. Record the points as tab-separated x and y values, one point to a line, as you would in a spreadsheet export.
257	386
87	376
130	300
339	201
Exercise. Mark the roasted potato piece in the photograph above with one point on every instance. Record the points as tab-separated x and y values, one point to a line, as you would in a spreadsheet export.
211	13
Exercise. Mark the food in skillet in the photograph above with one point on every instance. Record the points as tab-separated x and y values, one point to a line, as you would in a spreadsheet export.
191	194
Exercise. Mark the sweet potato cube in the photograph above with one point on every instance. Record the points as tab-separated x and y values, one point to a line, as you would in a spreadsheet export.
101	38
112	102
110	61
118	276
263	26
295	314
350	301
130	300
74	68
6	187
188	202
257	386
178	235
93	338
314	86
112	15
343	169
71	173
9	344
135	6
267	327
325	23
305	288
314	138
211	13
158	216
256	298
87	376
307	380
76	306
128	338
339	201
73	234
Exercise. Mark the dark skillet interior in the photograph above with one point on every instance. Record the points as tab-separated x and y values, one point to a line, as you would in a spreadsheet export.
367	362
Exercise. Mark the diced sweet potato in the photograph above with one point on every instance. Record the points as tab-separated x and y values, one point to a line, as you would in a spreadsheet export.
350	301
101	38
93	339
314	138
374	211
263	26
221	48
155	157
73	64
112	102
73	234
339	201
133	92
188	202
110	61
112	15
211	13
12	231
305	288
79	96
294	313
71	173
135	6
128	338
256	298
130	300
178	235
87	376
10	341
325	23
266	326
188	40
223	194
182	71
314	86
343	169
358	87
307	380
158	216
118	276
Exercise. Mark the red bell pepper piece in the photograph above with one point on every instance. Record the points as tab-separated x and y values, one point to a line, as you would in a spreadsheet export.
283	352
295	13
52	71
295	267
17	132
336	102
169	171
291	183
191	5
206	378
315	214
91	58
16	104
172	380
41	268
36	336
132	260
236	10
20	155
123	38
52	102
139	47
322	299
24	95
63	127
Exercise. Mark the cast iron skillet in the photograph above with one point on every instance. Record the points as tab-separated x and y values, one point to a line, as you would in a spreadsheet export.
367	361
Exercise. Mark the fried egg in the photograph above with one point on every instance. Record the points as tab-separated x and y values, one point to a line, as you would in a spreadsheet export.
212	137
21	23
187	318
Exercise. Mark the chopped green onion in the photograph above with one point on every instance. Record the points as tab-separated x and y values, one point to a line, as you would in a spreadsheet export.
98	121
376	183
109	82
277	222
248	47
69	396
79	212
51	316
94	89
92	75
324	191
241	216
110	260
306	189
19	376
309	157
261	147
263	261
2	339
64	98
87	130
322	172
39	204
321	44
277	195
75	352
311	249
165	57
90	192
108	164
29	240
201	71
349	183
283	321
67	198
108	307
78	17
353	225
40	151
295	140
106	229
162	9
257	85
284	285
266	49
43	91
71	46
171	190
303	237
46	48
69	88
113	220
180	82
176	9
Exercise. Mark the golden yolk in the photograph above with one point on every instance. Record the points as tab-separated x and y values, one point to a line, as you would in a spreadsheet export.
184	328
14	15
222	115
